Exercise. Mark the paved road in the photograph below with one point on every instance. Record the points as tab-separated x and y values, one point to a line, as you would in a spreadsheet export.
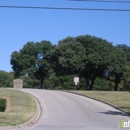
66	111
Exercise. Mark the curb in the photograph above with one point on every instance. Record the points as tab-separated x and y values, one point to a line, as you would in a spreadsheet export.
127	114
32	121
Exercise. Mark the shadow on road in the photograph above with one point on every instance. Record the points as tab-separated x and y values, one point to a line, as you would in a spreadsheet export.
115	113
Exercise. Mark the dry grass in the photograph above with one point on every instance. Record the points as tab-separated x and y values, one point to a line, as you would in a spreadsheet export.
121	100
26	107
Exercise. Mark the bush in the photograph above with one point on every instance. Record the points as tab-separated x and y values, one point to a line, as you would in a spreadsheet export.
81	84
30	82
59	82
62	83
2	104
126	86
6	79
101	85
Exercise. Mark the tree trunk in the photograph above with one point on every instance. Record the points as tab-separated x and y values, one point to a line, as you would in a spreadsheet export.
42	85
87	82
117	81
116	86
91	85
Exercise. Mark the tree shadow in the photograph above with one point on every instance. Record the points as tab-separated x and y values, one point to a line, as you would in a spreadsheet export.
115	113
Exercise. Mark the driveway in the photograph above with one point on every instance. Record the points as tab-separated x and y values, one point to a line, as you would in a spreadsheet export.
66	111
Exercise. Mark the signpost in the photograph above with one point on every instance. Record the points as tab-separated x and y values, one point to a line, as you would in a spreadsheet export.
18	83
76	80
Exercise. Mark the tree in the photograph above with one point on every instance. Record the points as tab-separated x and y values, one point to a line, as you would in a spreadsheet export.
68	57
117	67
86	56
33	60
126	76
98	56
6	79
126	49
15	62
42	66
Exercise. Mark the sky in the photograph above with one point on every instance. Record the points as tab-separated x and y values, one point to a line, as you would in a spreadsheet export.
19	26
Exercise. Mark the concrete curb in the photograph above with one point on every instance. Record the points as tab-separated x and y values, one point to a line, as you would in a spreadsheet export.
32	121
100	101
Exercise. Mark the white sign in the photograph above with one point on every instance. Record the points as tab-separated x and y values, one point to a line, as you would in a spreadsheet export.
76	80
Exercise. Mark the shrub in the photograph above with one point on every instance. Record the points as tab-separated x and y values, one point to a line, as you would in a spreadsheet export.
2	104
101	85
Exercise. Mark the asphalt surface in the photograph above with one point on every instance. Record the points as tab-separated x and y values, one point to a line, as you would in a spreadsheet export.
66	111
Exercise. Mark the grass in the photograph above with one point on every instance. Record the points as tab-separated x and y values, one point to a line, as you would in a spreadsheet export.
120	100
24	106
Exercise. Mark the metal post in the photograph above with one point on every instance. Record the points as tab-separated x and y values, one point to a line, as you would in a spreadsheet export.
18	83
75	86
17	104
17	100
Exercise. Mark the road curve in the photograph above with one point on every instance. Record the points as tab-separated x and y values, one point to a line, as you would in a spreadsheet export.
66	111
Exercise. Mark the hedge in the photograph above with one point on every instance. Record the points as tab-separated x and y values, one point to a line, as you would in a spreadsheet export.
2	104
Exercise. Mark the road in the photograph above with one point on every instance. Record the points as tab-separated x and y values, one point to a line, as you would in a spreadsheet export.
66	111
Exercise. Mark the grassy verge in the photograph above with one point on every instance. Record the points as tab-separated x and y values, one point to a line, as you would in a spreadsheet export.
121	100
21	108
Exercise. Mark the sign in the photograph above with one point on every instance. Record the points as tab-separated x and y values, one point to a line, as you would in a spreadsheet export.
76	80
18	83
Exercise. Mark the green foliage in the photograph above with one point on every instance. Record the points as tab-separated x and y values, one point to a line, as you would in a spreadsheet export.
60	82
51	82
126	49
101	84
33	60
126	75
2	104
66	82
63	83
117	67
93	59
68	57
82	84
29	82
126	86
98	57
6	79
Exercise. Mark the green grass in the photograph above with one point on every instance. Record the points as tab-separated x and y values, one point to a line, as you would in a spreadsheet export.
121	100
26	107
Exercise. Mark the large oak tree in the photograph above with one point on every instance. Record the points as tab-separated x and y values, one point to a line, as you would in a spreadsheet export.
33	60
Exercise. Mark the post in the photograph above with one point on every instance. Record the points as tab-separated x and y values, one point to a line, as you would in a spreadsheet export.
17	104
18	83
76	80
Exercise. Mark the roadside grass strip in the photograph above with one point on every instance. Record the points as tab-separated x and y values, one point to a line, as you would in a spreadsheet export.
120	100
21	107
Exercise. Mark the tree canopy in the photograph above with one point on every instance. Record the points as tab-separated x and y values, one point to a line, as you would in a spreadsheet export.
86	56
33	60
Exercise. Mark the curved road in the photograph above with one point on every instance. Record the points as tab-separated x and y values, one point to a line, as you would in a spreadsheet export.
66	111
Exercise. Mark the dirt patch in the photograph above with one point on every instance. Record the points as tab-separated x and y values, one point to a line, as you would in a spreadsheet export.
8	104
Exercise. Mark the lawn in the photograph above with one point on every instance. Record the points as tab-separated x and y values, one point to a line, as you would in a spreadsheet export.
119	99
21	107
